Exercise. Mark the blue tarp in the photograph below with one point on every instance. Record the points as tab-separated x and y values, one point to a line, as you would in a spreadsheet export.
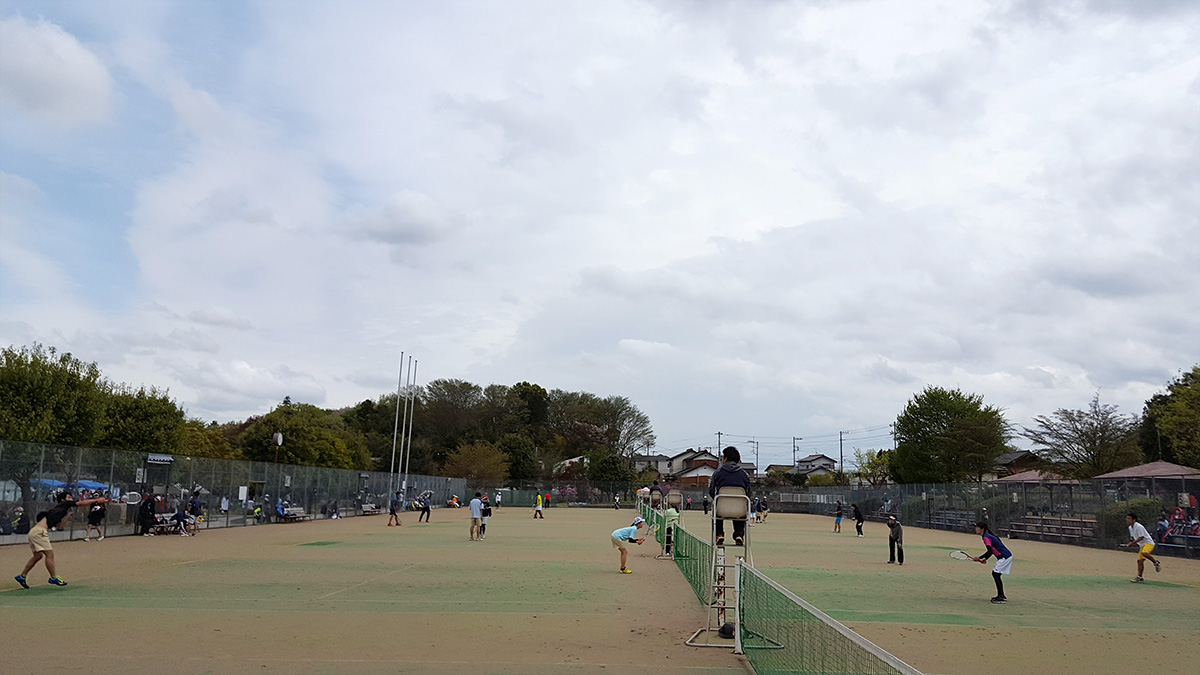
89	485
46	483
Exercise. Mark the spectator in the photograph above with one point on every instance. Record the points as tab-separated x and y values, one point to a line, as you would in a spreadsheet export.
730	474
181	519
146	518
687	506
21	522
196	511
1164	526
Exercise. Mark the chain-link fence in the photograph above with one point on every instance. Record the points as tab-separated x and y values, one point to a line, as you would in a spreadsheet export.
1082	512
233	492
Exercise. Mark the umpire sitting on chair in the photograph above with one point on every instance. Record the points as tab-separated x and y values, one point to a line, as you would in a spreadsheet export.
730	474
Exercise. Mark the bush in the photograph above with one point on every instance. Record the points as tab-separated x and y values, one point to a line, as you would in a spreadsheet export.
1111	521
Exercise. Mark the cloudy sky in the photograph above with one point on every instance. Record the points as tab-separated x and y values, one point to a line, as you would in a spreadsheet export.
768	219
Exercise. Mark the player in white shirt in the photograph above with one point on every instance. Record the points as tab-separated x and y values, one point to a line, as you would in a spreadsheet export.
1138	536
476	516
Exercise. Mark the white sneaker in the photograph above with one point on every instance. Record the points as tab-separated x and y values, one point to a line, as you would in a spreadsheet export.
85	538
100	538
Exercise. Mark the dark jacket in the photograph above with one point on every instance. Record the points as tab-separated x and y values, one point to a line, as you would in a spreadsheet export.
729	474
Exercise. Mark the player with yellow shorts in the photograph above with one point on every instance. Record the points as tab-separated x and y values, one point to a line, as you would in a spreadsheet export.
1138	536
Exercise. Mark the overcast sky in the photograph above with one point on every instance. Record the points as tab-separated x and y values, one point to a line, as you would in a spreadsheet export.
768	219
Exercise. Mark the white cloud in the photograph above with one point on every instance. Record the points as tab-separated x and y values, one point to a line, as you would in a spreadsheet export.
50	76
777	219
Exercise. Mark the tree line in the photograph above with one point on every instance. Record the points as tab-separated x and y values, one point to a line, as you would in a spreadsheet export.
497	432
947	435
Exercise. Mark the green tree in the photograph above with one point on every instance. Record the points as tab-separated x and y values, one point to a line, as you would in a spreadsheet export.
605	465
1175	419
944	436
521	454
47	397
1087	443
531	404
873	466
479	461
205	440
451	411
141	420
311	437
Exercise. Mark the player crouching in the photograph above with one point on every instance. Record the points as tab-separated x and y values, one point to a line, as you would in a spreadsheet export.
634	533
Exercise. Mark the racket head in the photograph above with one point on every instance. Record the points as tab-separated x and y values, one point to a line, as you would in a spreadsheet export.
960	555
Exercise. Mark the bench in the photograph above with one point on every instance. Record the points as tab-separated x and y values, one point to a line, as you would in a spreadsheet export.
371	510
1063	530
294	514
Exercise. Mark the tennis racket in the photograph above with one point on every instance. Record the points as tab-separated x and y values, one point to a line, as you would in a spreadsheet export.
649	533
961	555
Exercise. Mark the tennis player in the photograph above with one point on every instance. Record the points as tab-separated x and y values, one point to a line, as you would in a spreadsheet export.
635	533
39	536
1138	536
837	519
1003	558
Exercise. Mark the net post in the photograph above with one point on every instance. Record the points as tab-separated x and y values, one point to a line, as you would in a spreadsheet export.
737	608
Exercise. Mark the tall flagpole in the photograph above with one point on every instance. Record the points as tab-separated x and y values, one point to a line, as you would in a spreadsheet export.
412	394
404	421
395	428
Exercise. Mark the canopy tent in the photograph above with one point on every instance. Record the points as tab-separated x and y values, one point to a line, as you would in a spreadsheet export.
88	485
1158	469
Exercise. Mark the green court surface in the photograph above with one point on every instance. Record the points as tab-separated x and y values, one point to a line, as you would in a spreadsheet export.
544	596
1071	609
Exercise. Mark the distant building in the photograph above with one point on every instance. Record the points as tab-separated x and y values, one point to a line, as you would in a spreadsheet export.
660	463
1013	462
816	465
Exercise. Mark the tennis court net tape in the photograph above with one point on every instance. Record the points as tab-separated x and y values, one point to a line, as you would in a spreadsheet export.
780	633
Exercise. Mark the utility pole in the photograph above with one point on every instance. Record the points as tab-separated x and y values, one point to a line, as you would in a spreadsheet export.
755	456
718	452
841	454
894	444
795	448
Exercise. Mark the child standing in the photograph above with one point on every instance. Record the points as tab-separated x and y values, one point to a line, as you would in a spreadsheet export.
1003	565
837	519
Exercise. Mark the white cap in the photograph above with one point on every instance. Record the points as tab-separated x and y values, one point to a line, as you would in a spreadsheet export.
639	519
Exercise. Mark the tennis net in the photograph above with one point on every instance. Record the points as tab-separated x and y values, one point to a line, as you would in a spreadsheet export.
782	634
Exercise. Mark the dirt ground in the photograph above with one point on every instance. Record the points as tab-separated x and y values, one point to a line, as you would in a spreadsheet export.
356	596
541	597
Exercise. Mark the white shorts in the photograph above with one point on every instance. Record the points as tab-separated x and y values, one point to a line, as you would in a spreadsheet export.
1003	565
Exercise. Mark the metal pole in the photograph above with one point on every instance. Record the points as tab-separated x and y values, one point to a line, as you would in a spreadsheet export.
412	414
404	420
396	424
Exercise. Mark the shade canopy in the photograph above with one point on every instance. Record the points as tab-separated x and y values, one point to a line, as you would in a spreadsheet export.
1158	469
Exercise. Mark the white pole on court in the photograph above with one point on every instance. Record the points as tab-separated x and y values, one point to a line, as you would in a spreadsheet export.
412	394
404	420
396	424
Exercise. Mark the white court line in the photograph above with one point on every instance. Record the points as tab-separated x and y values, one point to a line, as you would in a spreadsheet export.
361	583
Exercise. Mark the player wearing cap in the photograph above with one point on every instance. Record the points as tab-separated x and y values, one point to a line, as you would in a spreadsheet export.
895	541
635	533
39	536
